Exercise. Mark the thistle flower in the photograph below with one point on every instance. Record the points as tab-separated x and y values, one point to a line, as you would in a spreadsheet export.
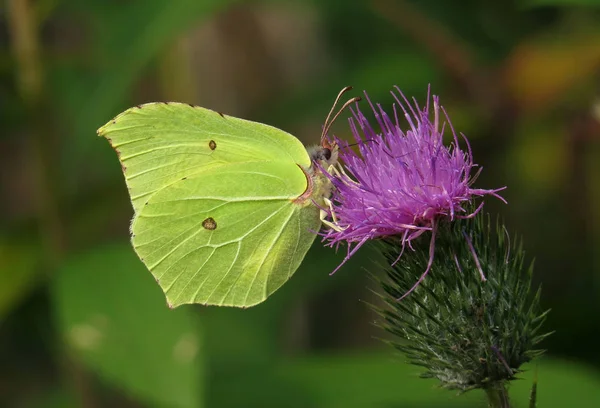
402	184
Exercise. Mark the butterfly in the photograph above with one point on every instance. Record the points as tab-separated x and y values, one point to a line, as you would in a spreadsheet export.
225	209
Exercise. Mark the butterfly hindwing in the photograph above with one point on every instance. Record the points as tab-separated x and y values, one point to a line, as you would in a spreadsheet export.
208	243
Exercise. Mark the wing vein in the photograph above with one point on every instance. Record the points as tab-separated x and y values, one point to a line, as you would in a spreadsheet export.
265	258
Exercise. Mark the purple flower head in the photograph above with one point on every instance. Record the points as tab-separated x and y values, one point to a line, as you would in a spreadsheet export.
402	182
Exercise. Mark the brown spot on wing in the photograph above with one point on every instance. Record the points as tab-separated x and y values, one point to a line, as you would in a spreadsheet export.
209	224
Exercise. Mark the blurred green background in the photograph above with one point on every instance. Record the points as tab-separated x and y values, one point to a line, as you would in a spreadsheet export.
83	324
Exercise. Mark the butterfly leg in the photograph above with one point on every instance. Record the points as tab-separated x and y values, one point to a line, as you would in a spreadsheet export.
339	171
323	216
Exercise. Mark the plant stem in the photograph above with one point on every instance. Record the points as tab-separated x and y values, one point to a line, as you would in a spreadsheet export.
497	396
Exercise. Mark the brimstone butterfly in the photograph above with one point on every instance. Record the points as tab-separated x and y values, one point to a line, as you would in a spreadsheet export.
224	209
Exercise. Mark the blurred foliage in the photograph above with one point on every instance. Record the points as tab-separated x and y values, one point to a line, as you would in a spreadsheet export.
562	3
109	315
82	324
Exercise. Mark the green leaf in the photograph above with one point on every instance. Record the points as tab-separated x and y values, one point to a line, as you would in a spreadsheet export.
113	316
385	380
560	383
367	380
377	380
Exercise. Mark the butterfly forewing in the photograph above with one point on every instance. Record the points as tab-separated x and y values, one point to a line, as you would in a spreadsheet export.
161	143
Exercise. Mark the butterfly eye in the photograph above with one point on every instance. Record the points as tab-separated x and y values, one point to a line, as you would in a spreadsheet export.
327	153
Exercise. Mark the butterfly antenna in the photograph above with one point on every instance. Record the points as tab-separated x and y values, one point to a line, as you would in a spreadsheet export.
339	112
337	99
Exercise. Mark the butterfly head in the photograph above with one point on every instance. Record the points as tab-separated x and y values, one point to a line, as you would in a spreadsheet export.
325	155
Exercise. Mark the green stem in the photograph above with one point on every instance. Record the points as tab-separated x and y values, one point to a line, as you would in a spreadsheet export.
497	396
